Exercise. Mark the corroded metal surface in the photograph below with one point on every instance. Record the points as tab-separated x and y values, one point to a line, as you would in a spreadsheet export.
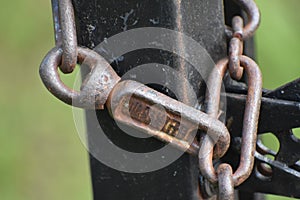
226	191
236	49
65	33
179	125
253	14
250	122
96	86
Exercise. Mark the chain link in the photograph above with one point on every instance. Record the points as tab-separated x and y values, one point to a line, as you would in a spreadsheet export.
65	34
98	84
249	124
236	49
236	64
226	185
253	14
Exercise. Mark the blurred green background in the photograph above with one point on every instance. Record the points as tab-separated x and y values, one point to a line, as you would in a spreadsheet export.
41	154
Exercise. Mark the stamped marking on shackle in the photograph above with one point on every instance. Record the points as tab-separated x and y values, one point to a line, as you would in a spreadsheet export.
157	121
160	116
160	119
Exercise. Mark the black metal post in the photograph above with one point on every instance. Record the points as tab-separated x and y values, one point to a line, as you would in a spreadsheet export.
203	21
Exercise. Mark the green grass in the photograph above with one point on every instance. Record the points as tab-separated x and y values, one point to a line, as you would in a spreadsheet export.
41	155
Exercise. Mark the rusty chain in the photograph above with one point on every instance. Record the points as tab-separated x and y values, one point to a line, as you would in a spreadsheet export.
102	86
253	14
236	64
65	34
250	122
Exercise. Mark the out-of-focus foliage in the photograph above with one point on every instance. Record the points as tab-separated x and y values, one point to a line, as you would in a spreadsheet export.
41	155
278	48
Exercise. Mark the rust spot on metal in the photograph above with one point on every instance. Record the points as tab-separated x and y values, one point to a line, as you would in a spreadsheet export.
250	122
132	103
94	91
226	188
253	14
